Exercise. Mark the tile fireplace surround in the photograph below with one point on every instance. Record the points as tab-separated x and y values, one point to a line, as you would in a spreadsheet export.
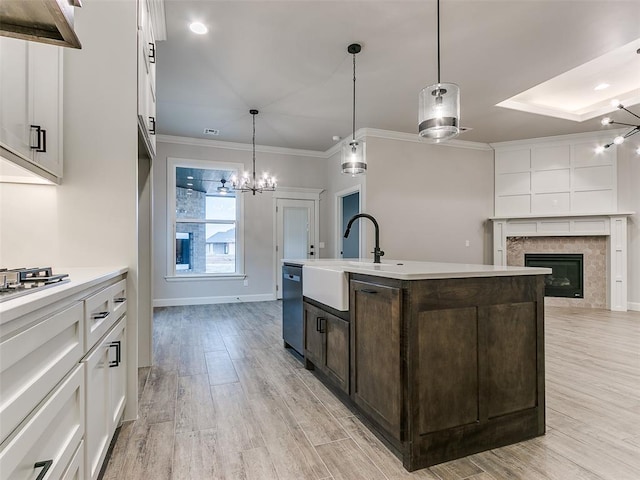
513	236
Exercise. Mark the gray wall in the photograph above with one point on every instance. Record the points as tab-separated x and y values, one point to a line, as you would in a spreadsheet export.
428	200
259	251
629	200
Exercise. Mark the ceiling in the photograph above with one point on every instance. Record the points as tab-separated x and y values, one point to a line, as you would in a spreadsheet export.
289	60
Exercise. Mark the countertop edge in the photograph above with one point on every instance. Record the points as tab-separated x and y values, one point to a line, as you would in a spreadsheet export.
81	278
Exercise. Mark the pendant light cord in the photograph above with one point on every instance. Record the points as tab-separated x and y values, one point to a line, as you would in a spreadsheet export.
438	29
254	149
354	97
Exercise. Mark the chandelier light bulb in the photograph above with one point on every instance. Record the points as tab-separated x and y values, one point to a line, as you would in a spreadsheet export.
638	151
615	103
618	140
599	149
606	121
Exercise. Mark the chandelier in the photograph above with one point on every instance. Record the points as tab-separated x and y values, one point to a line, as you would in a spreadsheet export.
353	157
620	138
249	184
439	106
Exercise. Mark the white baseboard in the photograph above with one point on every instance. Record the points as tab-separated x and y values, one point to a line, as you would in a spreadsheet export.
175	302
633	306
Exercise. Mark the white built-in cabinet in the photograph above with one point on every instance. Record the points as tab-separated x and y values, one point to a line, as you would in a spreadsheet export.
555	176
105	381
63	384
146	76
31	106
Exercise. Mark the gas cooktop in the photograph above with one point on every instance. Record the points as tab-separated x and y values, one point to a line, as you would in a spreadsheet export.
16	282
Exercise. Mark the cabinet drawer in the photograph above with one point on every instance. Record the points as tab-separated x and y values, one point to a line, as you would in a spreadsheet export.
34	361
75	469
102	310
50	437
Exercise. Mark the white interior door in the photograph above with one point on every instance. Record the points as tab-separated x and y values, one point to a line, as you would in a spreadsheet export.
295	225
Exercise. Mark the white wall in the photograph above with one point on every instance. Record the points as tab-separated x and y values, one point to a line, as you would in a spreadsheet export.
291	170
90	219
629	201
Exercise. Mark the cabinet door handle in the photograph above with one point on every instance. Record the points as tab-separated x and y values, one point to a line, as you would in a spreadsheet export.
152	52
120	299
365	290
152	125
41	135
118	360
46	465
319	324
100	315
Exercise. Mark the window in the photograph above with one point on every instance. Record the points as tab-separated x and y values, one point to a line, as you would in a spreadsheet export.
206	238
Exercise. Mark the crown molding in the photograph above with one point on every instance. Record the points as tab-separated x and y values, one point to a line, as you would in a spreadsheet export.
360	134
415	138
599	135
201	142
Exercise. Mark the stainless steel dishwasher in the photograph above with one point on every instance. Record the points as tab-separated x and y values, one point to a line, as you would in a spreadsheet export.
292	309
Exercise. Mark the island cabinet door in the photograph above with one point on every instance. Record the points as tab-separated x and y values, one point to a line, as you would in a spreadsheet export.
313	335
375	353
336	351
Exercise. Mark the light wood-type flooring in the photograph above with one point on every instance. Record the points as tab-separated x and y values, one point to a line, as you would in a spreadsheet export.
224	400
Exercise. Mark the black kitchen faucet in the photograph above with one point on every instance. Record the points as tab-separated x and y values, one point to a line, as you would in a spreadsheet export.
377	253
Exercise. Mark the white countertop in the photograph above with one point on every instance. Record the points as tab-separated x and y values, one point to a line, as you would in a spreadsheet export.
414	270
80	278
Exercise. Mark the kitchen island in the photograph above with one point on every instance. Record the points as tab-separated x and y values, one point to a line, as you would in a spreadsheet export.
441	360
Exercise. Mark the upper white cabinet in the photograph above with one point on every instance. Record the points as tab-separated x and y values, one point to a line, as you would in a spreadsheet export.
559	175
31	96
146	76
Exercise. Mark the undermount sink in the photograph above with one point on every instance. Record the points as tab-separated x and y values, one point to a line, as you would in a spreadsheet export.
326	284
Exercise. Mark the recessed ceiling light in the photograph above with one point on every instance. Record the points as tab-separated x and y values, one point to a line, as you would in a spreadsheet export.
189	184
189	177
601	86
199	28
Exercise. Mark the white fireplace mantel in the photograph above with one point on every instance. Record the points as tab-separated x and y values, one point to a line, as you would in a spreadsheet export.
611	225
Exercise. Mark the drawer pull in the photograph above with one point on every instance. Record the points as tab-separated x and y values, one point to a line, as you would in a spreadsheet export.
364	290
319	324
100	315
120	299
46	465
118	360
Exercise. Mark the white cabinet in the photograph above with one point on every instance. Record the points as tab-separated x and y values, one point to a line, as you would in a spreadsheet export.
31	95
50	436
146	77
63	383
105	379
34	360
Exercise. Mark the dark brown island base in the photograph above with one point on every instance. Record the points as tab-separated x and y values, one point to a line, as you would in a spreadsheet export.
438	368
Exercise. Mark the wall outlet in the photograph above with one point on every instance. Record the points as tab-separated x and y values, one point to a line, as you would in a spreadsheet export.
246	282
320	244
466	243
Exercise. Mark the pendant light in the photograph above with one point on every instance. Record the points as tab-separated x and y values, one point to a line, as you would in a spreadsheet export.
439	106
353	159
250	184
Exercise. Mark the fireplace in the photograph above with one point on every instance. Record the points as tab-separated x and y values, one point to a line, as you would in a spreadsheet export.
567	277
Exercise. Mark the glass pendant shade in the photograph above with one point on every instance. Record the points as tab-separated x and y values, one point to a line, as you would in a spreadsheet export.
353	158
439	112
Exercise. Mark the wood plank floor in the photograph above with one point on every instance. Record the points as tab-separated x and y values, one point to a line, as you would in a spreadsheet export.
224	400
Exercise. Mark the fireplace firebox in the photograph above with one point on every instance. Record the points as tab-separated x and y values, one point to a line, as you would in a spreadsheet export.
567	277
